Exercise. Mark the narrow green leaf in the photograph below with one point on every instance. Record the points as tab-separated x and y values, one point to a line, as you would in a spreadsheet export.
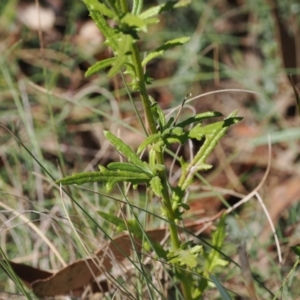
95	5
118	222
156	186
153	11
214	258
124	46
110	34
199	131
153	138
123	166
212	133
131	225
185	257
158	114
130	155
100	65
182	3
109	177
160	50
220	287
199	118
133	21
175	135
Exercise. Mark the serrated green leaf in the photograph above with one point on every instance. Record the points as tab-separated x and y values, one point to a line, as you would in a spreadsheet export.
130	155
177	131
213	133
198	132
109	177
160	50
158	169
153	11
130	70
199	118
123	166
133	20
95	5
176	42
156	186
175	135
100	65
158	114
169	124
151	56
196	249
124	47
110	34
153	138
185	257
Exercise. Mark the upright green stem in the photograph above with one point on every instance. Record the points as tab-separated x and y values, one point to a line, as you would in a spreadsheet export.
185	283
143	91
124	6
159	157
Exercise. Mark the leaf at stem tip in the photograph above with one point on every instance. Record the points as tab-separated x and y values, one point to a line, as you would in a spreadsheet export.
100	65
153	11
124	44
167	45
95	5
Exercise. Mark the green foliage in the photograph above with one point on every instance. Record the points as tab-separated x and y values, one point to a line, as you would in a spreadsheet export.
160	51
129	154
135	229
222	290
122	38
109	177
120	223
185	257
213	258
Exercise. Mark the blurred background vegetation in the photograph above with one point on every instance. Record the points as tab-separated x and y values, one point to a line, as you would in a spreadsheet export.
59	115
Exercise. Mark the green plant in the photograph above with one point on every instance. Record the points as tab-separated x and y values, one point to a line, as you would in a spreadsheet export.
160	134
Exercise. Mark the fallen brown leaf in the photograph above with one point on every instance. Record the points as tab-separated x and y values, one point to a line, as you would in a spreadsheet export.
82	272
29	274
